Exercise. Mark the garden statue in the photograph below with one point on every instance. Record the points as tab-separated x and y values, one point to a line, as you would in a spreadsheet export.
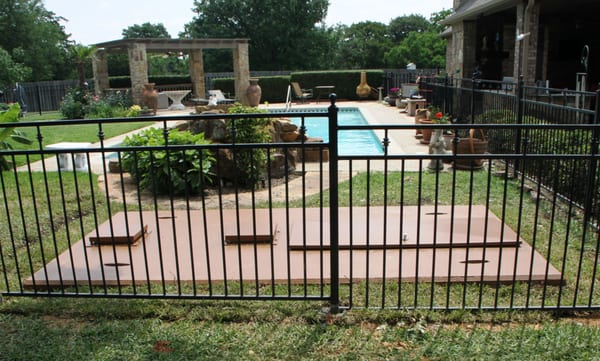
437	145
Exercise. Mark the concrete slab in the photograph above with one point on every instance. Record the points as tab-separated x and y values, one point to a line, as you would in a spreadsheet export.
193	250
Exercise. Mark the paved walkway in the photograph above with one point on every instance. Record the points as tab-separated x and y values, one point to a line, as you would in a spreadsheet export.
401	142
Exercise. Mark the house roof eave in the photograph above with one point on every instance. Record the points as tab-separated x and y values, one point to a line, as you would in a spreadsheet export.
474	8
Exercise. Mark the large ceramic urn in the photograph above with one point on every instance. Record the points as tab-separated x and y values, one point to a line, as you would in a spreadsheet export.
150	97
363	89
253	93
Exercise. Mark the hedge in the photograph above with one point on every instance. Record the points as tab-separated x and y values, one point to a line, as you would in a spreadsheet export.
125	81
274	88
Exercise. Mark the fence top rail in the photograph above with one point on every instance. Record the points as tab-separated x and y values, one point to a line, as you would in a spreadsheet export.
163	118
467	126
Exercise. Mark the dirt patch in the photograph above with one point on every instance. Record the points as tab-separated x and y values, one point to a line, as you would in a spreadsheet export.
122	188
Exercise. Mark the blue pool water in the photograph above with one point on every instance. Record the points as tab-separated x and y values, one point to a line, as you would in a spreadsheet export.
350	142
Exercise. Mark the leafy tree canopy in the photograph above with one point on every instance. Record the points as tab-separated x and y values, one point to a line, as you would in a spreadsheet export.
34	38
11	72
363	45
283	33
401	26
146	31
426	50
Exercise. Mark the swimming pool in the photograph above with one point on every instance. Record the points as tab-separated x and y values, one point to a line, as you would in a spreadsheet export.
350	142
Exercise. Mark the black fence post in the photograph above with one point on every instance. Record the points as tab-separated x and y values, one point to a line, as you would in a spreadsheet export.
39	98
446	102
519	121
472	110
590	184
334	298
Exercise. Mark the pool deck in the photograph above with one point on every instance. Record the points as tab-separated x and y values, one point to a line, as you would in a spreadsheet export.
375	112
401	141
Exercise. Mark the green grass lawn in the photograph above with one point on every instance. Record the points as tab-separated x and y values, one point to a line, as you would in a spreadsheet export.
110	329
59	329
71	133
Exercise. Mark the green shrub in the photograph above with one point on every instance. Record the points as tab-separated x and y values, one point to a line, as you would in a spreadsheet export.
78	103
73	104
119	98
274	88
10	115
125	81
345	81
181	172
134	111
99	108
250	163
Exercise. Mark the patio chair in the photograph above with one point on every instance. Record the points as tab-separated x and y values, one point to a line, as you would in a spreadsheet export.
300	93
221	99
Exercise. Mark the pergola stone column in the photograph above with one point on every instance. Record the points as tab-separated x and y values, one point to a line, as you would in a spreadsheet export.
100	66
138	68
197	73
241	72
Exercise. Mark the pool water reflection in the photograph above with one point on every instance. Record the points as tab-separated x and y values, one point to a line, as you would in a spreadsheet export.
350	142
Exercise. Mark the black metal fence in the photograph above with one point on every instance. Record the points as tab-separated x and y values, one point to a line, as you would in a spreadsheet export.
477	102
389	230
47	96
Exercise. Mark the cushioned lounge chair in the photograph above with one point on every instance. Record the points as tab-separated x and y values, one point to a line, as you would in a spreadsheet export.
221	99
302	94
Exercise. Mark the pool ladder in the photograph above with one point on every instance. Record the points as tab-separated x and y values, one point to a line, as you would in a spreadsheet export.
288	98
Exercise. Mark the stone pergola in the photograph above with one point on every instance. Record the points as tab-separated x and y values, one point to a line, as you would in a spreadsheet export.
137	50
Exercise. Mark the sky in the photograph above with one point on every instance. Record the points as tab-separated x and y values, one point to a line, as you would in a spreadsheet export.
95	21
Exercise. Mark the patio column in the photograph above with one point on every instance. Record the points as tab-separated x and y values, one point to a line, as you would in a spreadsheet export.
100	70
197	73
241	71
138	68
530	50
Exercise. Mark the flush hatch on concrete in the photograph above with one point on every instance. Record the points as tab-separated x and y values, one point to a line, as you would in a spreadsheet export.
456	244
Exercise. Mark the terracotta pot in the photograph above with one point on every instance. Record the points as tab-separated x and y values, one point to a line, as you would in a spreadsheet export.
471	145
426	133
253	93
150	97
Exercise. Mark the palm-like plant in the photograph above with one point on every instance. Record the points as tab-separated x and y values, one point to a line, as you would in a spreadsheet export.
82	55
10	116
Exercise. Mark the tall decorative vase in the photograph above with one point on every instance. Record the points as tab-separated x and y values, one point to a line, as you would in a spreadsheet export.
253	93
150	97
363	89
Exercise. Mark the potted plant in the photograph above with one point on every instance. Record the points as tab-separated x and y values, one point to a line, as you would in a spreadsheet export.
393	94
438	118
447	134
474	144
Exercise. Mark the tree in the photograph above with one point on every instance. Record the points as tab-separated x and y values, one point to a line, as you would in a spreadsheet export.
437	17
34	38
426	50
283	34
363	45
11	72
82	55
401	26
146	31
